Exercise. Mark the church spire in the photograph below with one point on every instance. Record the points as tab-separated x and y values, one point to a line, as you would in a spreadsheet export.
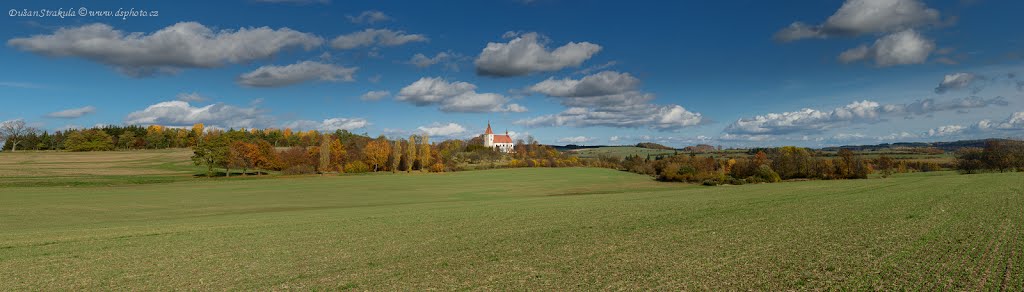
489	128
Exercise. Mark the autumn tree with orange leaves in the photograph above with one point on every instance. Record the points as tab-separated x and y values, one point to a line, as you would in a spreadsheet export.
376	152
243	155
338	154
265	156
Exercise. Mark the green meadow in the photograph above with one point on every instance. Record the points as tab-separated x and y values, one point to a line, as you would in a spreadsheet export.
507	229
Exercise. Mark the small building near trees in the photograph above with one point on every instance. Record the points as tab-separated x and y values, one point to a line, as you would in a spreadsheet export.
502	143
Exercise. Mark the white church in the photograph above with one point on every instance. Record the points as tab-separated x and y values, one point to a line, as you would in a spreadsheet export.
502	142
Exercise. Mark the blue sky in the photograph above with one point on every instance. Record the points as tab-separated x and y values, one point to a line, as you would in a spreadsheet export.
732	73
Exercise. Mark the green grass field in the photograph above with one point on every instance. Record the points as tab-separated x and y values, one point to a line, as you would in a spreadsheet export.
514	229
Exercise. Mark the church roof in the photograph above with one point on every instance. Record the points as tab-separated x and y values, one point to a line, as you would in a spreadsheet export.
488	129
502	139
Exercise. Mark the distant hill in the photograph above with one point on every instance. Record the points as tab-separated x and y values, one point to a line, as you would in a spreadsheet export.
575	147
651	145
619	151
944	146
701	148
924	147
646	145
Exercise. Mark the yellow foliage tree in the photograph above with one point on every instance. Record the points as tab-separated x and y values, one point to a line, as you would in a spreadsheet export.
197	133
410	153
376	152
396	156
424	153
337	153
325	155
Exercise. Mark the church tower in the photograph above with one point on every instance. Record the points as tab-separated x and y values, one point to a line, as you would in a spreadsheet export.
489	136
501	143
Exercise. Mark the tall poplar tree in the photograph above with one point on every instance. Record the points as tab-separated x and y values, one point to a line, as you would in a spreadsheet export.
325	154
410	153
396	155
424	153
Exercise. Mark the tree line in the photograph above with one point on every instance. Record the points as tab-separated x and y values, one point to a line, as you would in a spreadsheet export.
345	152
997	155
19	136
305	152
339	152
766	165
292	152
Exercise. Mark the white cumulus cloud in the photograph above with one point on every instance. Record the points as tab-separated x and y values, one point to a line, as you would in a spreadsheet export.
328	125
527	53
576	140
659	117
442	130
1014	124
449	59
897	20
276	76
181	113
901	48
811	121
948	130
375	37
958	81
897	136
602	83
182	45
608	99
857	17
455	96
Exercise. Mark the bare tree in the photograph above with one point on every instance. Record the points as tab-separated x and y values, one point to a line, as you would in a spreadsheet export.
13	131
